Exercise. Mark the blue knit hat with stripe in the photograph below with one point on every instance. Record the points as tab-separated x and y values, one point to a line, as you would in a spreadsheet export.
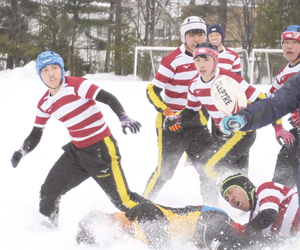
49	57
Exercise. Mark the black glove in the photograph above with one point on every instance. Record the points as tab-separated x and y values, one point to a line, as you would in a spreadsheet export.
172	123
17	156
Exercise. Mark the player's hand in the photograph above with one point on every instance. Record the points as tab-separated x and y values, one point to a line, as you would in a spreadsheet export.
283	136
16	158
127	122
233	123
172	123
294	119
239	228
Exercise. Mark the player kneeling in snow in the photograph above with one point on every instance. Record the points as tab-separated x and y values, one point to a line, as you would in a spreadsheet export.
159	226
274	207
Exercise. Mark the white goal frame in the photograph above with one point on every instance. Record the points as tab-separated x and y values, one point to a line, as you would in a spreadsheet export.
267	52
150	48
247	60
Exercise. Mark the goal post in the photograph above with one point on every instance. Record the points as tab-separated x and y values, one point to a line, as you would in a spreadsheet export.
261	67
265	65
150	49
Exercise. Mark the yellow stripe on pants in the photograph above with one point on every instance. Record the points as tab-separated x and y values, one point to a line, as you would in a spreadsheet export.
220	154
121	187
157	172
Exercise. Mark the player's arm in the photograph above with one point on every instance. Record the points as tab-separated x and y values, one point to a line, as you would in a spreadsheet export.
154	96
28	145
111	101
282	135
263	220
116	106
184	118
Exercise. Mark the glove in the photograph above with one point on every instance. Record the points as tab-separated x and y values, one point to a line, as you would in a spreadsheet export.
127	122
176	127
230	124
240	229
294	119
172	122
283	136
16	158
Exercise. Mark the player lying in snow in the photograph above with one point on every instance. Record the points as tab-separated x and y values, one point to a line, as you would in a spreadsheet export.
274	207
158	225
258	115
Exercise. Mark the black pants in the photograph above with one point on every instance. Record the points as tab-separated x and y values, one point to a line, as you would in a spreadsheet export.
100	161
287	163
231	153
195	141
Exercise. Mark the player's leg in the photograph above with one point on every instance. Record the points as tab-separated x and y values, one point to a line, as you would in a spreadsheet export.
103	163
152	222
170	149
63	176
287	163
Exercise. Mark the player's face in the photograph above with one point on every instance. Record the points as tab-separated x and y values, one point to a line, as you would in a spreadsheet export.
215	38
192	38
291	50
51	76
237	198
205	67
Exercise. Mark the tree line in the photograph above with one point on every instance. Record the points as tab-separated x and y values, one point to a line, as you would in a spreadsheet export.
29	27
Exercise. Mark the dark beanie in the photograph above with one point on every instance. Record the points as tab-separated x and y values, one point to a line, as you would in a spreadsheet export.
216	28
240	181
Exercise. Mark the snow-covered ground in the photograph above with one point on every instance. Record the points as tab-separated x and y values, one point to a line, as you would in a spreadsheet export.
20	221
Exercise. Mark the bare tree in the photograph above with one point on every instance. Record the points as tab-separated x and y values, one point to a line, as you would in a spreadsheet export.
242	13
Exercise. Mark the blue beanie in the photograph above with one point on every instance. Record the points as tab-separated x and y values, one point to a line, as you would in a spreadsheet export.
49	57
216	28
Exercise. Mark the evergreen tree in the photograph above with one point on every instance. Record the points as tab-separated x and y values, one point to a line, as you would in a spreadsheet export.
273	17
15	37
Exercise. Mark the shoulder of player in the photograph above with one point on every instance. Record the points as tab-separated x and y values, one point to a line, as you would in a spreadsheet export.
231	74
269	185
194	81
176	58
227	50
74	80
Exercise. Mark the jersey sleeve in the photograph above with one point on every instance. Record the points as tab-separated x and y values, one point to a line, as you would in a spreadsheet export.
271	109
153	95
88	90
41	118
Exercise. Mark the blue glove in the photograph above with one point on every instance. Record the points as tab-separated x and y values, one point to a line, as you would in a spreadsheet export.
127	122
16	158
230	124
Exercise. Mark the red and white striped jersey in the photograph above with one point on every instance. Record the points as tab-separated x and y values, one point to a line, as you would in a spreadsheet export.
284	200
174	74
230	60
284	74
199	93
75	106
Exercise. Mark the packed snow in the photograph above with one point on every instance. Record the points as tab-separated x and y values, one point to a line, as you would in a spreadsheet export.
20	226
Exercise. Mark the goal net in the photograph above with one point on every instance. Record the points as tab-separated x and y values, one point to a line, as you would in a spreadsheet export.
265	65
147	60
260	68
